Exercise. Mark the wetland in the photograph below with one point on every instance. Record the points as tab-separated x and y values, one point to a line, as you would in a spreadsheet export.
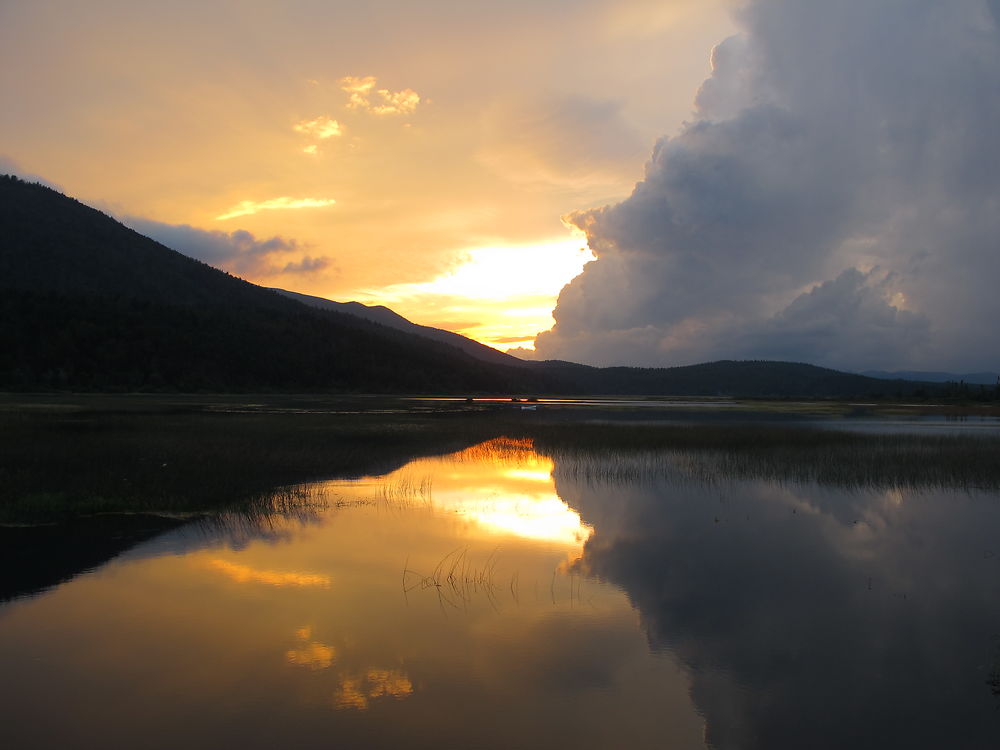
375	573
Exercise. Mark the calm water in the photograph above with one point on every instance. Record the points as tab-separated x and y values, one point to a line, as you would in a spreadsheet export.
496	598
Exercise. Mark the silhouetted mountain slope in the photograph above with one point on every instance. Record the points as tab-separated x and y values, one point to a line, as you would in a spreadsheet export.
385	316
87	303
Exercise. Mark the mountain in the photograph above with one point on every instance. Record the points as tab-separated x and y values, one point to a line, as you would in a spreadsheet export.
385	316
88	304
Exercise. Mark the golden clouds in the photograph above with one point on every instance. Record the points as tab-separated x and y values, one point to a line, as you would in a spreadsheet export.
247	208
322	128
362	92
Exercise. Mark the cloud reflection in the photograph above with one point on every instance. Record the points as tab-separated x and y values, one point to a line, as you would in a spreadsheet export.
356	692
246	574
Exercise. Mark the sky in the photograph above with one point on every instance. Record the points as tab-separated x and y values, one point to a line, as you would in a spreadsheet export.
667	182
418	155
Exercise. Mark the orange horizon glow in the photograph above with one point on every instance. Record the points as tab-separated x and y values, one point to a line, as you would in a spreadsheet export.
509	292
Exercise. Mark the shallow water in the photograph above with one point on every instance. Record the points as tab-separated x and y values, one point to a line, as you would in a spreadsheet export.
500	598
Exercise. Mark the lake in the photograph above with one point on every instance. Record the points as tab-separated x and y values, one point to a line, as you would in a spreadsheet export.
508	596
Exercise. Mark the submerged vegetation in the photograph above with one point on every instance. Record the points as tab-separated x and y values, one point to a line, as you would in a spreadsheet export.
77	456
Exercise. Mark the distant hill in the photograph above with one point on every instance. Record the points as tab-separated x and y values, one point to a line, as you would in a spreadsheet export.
385	316
974	378
756	379
88	304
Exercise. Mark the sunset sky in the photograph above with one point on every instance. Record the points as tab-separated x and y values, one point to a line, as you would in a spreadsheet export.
419	155
818	181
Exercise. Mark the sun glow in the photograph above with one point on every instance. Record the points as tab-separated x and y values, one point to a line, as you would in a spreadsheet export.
507	292
513	493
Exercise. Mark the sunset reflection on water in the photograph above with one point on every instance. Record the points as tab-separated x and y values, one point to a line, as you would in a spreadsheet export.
364	619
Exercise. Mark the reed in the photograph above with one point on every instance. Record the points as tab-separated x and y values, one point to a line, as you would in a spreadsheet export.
457	580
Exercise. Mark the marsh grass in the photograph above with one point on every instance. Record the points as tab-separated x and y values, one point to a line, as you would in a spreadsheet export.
58	463
64	459
780	452
405	492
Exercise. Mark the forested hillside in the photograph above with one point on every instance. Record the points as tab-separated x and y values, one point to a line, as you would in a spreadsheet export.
86	303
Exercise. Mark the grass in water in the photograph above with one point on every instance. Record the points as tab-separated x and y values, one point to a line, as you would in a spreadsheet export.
456	580
127	454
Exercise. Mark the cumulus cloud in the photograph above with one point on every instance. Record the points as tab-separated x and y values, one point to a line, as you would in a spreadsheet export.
834	199
246	208
363	96
239	252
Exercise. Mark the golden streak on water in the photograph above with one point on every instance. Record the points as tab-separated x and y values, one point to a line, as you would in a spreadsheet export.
246	574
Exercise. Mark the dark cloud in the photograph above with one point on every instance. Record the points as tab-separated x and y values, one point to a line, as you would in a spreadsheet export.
308	264
832	139
239	252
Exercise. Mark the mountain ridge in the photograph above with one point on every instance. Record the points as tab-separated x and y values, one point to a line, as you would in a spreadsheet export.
388	317
89	304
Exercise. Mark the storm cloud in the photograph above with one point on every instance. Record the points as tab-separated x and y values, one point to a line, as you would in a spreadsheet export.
834	199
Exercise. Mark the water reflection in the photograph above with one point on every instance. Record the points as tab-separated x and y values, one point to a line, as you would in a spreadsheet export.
809	616
501	486
247	574
357	692
298	630
592	601
309	653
